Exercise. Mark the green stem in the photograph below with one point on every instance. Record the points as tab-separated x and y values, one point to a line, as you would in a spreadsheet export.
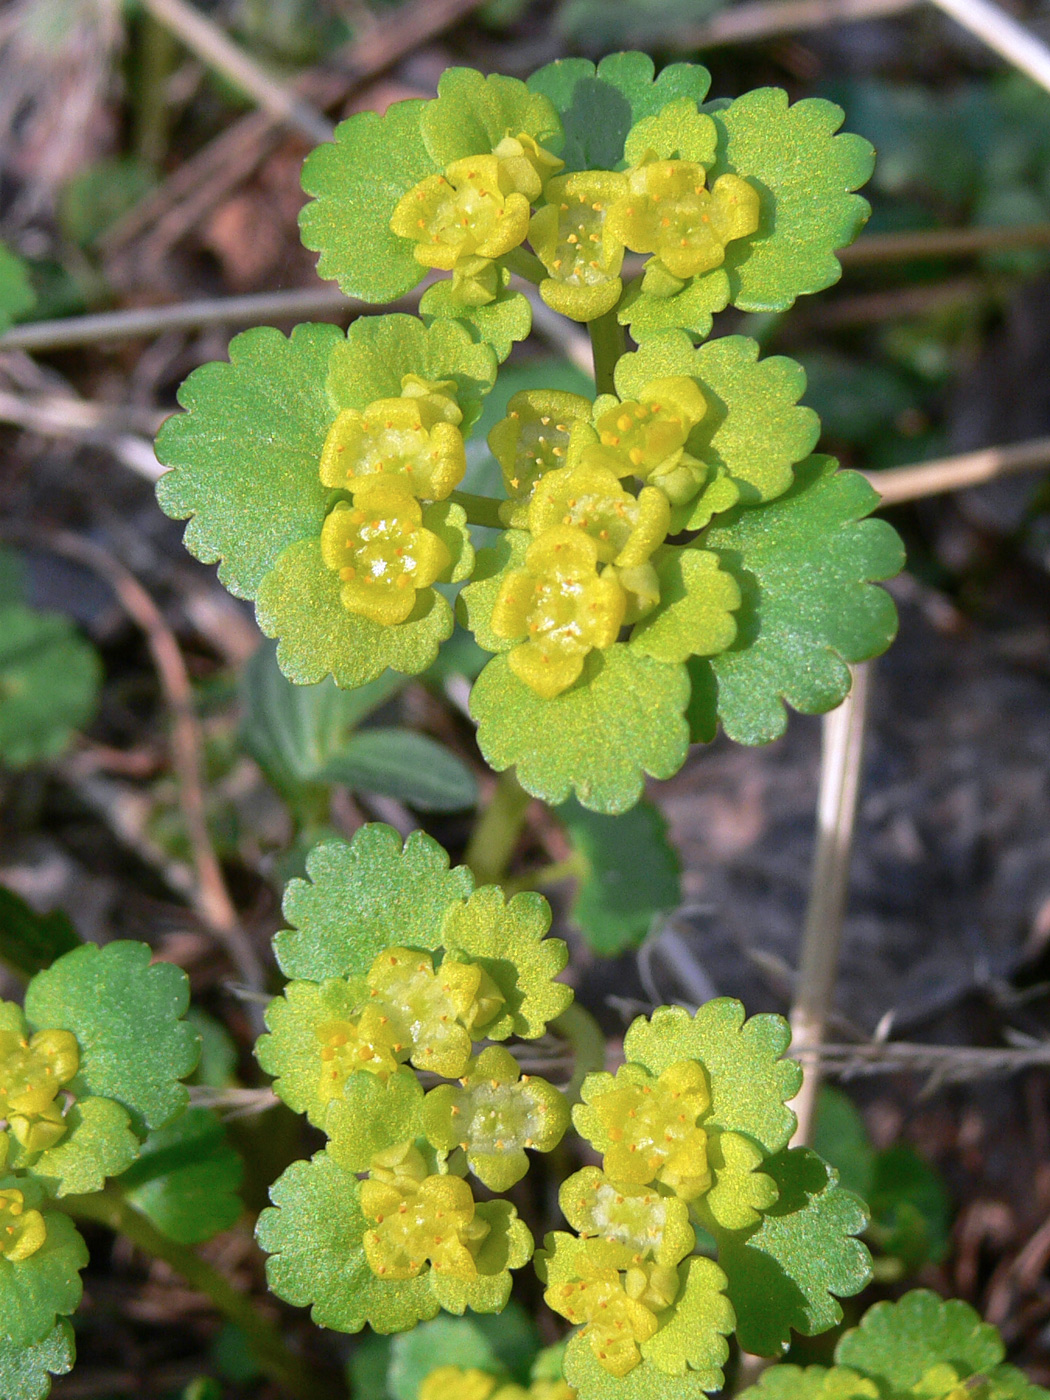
608	343
492	842
481	510
291	1372
543	876
582	1031
158	54
525	264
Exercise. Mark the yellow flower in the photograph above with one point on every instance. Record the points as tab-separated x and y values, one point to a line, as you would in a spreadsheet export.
610	1307
561	609
455	1383
466	211
421	1219
575	242
544	430
646	437
22	1231
382	552
413	440
32	1071
371	1042
625	528
668	211
652	1129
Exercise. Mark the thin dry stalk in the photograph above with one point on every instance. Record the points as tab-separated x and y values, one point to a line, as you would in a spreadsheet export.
840	768
765	19
210	897
941	243
945	1064
204	38
1003	34
898	484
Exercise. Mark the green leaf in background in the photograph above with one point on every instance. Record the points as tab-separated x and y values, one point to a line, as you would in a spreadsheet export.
629	874
99	195
126	1016
910	1206
841	1138
361	897
30	941
187	1178
788	1382
368	1366
621	720
49	684
789	1271
446	1341
805	176
246	452
598	106
356	181
16	293
805	564
25	1372
402	764
37	1290
292	731
897	1343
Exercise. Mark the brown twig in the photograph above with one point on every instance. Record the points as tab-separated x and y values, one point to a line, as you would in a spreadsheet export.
942	243
946	1064
913	483
210	897
766	19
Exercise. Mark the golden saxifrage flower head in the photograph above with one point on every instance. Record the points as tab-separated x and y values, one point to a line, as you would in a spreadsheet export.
646	437
22	1232
33	1071
576	244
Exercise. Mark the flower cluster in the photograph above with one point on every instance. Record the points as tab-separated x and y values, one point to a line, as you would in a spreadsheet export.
470	1383
347	1051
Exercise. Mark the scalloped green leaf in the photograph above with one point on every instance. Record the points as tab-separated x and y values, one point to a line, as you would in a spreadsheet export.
49	684
246	453
598	106
187	1178
478	598
25	1372
474	112
446	1341
356	181
591	1381
401	763
750	1083
692	309
805	176
373	1115
507	1246
313	1234
501	323
790	1271
630	874
16	291
292	1050
806	564
362	897
787	1382
299	604
694	1341
694	616
45	1286
126	1015
508	940
379	351
622	719
741	1191
754	429
898	1342
98	1144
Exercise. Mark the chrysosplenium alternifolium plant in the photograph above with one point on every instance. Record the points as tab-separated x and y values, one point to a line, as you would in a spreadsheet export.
700	1222
88	1068
669	554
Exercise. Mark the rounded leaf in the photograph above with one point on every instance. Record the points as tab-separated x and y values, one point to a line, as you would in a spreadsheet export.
49	681
25	1372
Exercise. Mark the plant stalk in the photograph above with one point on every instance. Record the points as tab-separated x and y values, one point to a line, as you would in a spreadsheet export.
493	839
291	1372
841	759
481	510
608	343
524	264
582	1031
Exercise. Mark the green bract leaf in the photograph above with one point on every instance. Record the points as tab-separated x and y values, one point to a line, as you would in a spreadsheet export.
125	1015
789	1271
49	681
507	1246
187	1178
897	1343
25	1372
741	1191
30	941
363	897
692	309
694	616
314	1235
477	600
379	351
508	941
630	874
598	106
805	176
247	451
356	181
910	1206
292	1050
299	604
754	429
473	113
46	1285
694	1339
501	322
406	765
98	1144
785	1382
372	1116
622	719
749	1082
804	564
16	293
